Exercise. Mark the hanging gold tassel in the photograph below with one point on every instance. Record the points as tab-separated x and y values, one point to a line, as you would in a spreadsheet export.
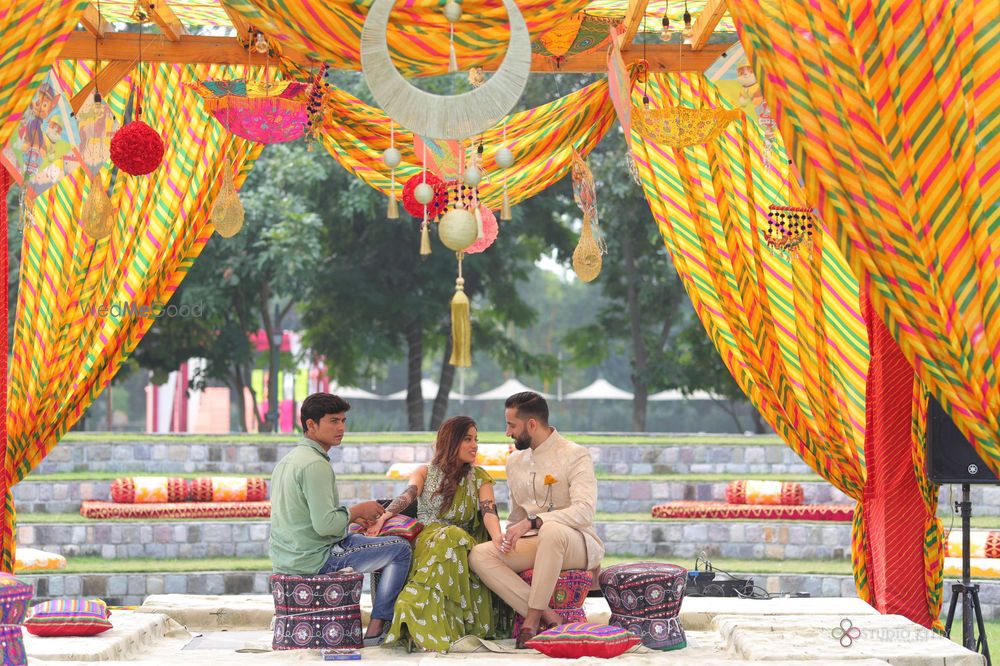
425	238
461	327
97	219
505	208
393	211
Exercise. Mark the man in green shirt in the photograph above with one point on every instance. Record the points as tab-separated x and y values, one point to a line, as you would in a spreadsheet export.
309	524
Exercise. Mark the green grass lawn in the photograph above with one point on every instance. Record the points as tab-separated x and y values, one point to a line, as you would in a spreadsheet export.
361	438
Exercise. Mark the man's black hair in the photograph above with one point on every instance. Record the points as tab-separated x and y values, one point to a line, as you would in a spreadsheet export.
318	405
529	405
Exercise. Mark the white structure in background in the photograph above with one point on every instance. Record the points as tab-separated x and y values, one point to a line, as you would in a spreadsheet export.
351	392
429	389
674	394
505	390
600	389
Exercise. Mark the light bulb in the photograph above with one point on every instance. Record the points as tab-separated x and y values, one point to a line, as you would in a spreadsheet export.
665	33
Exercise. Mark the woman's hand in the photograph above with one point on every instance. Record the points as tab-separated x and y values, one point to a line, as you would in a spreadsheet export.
498	542
376	527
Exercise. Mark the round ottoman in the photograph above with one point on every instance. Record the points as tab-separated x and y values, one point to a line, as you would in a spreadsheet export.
316	612
568	596
12	642
14	598
645	598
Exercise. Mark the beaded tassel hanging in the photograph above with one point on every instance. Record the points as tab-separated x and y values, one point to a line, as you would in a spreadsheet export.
789	228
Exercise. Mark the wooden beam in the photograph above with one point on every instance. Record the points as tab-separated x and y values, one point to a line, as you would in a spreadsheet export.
107	77
633	20
228	51
93	22
241	24
164	17
705	24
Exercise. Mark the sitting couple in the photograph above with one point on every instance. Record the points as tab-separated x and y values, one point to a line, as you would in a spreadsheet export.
441	598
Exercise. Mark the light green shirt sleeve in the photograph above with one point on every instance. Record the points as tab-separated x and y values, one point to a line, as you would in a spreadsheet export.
328	516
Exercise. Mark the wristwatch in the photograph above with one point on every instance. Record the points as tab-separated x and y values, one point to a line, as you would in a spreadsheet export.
535	521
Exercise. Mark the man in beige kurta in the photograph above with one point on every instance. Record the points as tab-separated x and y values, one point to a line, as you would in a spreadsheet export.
553	502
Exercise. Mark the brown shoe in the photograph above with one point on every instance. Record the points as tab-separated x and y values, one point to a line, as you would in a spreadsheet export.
526	634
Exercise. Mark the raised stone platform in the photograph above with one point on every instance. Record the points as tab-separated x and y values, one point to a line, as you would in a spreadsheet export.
227	631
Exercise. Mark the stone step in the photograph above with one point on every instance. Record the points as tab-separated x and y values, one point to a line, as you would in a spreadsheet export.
248	538
132	589
614	496
219	456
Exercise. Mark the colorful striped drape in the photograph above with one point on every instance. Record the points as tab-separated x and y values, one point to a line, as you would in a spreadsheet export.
64	354
790	331
933	527
418	32
542	140
893	109
31	32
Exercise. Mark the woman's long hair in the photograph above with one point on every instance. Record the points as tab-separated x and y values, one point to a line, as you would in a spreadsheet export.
446	447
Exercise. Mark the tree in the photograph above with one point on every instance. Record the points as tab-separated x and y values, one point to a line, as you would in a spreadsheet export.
643	294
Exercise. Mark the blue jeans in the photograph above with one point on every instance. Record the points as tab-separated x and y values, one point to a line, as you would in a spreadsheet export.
365	554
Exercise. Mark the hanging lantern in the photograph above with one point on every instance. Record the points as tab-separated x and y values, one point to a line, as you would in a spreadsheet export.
97	218
457	229
227	214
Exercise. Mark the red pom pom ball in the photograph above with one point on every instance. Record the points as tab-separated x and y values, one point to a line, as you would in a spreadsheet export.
435	207
136	148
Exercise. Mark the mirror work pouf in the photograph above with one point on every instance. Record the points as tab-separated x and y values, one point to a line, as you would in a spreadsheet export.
645	598
14	598
568	596
317	612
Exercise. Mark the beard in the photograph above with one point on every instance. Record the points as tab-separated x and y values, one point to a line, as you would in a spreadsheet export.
522	441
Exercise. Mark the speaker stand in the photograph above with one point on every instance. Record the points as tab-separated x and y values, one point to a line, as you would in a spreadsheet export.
969	593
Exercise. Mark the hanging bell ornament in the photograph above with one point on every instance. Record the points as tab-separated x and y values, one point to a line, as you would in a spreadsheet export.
424	194
392	157
473	176
452	11
505	158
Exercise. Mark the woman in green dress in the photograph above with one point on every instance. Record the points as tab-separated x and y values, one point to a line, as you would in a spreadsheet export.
443	600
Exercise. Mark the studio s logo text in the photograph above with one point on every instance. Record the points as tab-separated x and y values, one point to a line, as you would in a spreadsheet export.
153	311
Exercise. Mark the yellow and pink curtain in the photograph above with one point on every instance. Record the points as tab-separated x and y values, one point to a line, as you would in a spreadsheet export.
32	33
788	328
542	140
64	355
892	110
418	32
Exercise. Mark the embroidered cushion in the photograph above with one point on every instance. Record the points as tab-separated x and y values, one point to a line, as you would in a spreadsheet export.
584	639
149	489
68	617
401	526
229	489
14	598
765	492
32	559
982	543
493	454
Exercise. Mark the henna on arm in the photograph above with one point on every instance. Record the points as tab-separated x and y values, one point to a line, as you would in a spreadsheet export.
403	501
488	506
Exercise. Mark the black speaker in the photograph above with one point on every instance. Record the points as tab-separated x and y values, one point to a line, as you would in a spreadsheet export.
950	457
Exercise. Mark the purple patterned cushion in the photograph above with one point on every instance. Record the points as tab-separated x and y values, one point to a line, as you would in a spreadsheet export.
583	639
656	634
571	587
314	612
14	598
401	526
13	645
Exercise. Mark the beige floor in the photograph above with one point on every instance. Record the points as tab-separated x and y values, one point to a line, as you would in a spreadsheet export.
175	630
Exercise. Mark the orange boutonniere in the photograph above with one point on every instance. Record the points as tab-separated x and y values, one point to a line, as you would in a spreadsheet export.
549	479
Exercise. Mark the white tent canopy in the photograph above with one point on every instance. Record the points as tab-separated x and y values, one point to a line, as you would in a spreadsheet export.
600	389
505	390
674	394
429	389
352	392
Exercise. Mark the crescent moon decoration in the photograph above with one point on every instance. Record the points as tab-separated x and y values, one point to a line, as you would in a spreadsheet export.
444	116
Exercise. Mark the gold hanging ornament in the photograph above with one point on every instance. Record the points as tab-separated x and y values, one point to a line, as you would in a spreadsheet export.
587	255
461	325
227	213
97	218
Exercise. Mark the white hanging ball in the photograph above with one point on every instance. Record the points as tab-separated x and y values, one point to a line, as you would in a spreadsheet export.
392	157
505	158
472	176
457	229
423	193
452	11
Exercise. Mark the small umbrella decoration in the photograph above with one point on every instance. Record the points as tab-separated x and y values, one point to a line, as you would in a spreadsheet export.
261	111
578	34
